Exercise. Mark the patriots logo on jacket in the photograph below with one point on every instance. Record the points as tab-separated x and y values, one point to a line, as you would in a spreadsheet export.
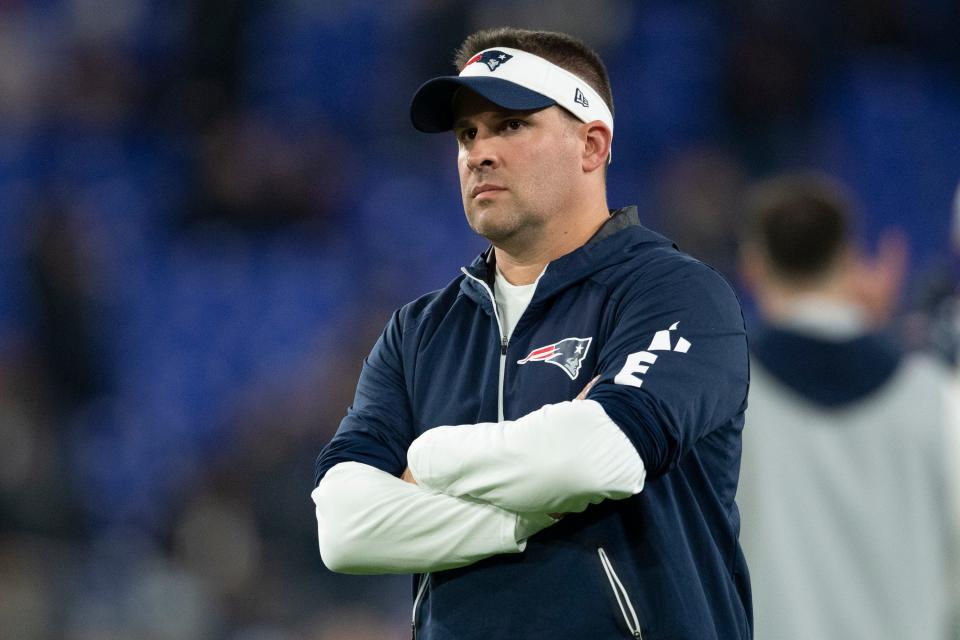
492	59
568	354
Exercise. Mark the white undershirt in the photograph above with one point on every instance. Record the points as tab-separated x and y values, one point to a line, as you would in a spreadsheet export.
512	300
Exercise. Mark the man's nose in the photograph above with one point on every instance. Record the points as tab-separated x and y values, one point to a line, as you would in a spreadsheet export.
483	153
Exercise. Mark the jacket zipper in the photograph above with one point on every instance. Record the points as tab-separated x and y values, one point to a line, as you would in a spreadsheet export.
416	603
503	342
620	593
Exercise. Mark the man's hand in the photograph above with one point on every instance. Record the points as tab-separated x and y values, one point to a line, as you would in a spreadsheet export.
408	477
583	394
877	282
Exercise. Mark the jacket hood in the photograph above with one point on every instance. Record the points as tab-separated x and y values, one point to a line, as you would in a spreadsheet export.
826	372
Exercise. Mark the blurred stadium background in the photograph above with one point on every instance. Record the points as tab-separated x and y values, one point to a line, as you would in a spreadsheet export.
209	207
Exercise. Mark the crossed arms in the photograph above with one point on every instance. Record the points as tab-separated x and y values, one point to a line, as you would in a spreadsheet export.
481	490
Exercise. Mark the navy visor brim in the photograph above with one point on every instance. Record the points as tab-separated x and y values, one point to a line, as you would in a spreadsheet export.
431	110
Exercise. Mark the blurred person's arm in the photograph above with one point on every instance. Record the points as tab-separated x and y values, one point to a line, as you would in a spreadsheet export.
648	408
878	280
369	521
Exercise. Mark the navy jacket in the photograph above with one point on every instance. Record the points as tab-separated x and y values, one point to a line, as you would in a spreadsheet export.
668	342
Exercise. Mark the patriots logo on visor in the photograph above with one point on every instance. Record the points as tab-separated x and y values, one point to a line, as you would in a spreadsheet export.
492	59
568	354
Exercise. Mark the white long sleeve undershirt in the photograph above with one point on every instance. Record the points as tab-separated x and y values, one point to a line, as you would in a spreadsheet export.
560	458
369	521
483	489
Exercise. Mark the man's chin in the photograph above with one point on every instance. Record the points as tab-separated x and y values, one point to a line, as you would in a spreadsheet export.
494	229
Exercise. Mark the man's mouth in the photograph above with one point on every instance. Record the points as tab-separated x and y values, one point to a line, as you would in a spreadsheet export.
485	188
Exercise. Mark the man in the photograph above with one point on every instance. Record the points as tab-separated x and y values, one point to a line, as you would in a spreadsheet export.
850	452
538	506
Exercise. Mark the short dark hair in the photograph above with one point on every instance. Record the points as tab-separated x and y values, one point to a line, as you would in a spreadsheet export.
561	49
800	222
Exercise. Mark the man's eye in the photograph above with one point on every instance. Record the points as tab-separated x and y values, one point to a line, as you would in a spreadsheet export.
468	134
514	124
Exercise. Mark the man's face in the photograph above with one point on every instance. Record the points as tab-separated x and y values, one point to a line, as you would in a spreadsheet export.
517	168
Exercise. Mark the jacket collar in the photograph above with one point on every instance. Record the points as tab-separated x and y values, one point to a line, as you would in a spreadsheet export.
615	241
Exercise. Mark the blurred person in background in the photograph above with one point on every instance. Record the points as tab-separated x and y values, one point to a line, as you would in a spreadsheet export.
642	460
849	483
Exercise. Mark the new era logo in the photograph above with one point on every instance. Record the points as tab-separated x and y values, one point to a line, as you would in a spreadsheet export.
579	98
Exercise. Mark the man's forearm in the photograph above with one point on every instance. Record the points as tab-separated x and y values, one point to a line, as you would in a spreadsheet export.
372	522
559	458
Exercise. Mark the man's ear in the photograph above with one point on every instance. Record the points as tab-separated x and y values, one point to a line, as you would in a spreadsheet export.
597	139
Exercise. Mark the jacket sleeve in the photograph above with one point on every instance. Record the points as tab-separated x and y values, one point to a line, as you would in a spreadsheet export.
378	426
675	366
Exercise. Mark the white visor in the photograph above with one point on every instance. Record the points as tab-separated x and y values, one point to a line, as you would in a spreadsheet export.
512	79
